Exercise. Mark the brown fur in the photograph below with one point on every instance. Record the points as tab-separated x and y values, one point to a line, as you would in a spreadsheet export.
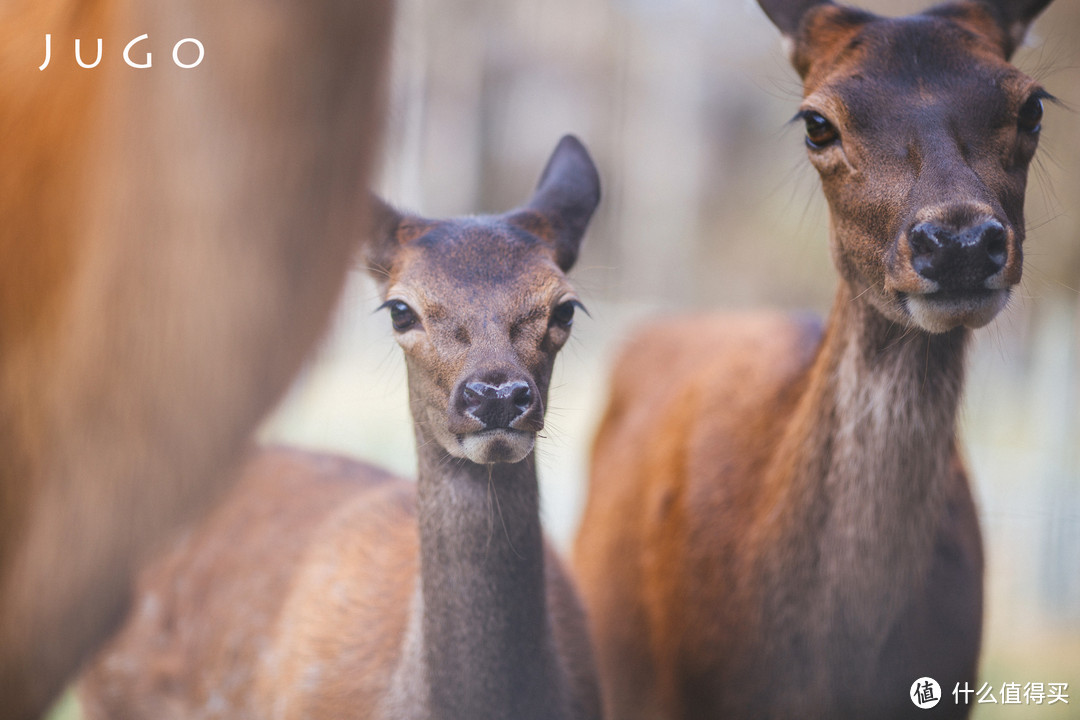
315	632
779	523
325	589
172	244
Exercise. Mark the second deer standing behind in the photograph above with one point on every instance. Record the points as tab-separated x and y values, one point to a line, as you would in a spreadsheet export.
780	523
313	593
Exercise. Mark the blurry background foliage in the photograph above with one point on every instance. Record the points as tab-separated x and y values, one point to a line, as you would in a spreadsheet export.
708	202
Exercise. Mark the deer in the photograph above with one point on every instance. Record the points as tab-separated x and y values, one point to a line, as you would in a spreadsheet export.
172	247
326	588
779	522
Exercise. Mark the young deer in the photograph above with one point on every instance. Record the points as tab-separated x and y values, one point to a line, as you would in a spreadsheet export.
324	588
172	243
780	523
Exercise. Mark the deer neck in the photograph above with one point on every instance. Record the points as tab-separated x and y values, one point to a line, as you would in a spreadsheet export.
485	643
864	467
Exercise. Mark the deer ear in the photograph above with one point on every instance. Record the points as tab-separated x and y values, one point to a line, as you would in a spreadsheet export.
564	201
807	24
787	14
1014	17
382	244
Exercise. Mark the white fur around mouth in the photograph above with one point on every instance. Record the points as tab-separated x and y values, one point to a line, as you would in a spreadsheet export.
939	312
497	446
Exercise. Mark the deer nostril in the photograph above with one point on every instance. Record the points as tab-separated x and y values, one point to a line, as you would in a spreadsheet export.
924	238
985	246
925	243
521	396
995	242
475	392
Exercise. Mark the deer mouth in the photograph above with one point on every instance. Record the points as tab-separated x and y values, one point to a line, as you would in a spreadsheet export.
499	445
944	310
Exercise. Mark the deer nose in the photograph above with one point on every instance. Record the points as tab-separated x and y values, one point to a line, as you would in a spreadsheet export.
497	406
958	259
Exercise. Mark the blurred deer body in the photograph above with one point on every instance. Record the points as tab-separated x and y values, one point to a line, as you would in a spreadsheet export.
324	588
172	245
779	523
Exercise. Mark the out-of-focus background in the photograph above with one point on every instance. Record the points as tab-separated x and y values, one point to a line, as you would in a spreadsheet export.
709	202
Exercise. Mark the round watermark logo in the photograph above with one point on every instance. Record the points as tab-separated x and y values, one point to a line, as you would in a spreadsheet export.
925	693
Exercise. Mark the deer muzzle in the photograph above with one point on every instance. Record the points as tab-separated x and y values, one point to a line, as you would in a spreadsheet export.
962	259
496	417
955	266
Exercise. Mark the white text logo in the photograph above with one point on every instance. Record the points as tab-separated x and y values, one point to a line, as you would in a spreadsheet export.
196	49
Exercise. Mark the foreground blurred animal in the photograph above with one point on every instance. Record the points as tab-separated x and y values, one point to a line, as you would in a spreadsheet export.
313	593
780	523
172	242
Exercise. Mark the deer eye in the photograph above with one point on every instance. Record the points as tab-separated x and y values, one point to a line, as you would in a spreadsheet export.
819	131
402	316
1029	119
563	314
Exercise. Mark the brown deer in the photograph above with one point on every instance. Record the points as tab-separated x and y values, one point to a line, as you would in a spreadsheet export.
780	523
172	243
324	588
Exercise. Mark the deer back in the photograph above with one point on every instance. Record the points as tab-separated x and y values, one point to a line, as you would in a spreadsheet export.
173	242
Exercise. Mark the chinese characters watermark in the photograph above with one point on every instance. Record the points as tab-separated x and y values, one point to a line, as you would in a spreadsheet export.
926	693
1013	693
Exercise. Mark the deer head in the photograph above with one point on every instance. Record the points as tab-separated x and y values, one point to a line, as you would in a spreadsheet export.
481	306
922	133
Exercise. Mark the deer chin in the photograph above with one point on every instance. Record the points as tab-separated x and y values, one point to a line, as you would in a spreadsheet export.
497	446
940	312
